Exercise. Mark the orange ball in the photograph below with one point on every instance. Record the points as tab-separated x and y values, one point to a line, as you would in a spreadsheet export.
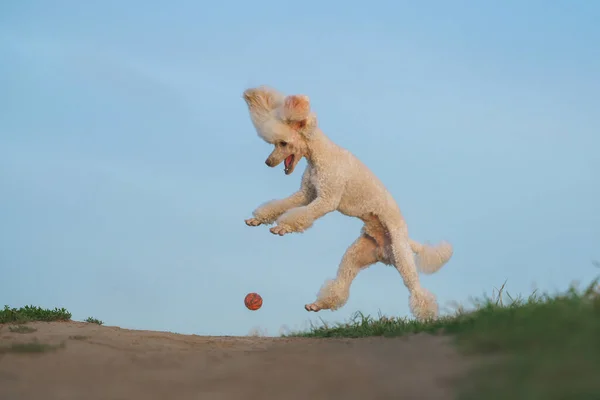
253	301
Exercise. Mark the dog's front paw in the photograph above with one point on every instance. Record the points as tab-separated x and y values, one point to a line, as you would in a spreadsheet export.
252	222
280	230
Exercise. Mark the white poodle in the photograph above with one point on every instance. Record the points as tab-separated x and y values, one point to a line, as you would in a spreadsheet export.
335	179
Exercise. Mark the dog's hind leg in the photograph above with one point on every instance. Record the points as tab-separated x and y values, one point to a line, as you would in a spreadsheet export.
423	304
334	293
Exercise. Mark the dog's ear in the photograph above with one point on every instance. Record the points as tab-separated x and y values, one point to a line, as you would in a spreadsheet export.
262	99
296	112
296	108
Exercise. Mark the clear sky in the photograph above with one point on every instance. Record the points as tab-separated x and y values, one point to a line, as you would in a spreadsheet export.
128	162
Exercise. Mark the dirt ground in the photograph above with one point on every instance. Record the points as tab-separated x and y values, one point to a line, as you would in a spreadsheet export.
95	362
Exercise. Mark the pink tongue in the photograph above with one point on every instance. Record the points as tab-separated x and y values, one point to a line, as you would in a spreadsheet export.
288	161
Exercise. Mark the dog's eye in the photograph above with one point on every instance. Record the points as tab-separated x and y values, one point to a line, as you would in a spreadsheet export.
283	144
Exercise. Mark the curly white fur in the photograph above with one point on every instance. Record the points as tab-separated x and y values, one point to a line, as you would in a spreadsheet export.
335	179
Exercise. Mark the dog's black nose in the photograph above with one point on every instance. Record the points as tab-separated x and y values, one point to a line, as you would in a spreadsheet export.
268	162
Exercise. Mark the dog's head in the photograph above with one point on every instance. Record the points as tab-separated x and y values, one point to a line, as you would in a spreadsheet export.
285	122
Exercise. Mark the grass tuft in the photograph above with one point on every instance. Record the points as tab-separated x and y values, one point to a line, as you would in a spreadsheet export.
549	344
93	320
32	313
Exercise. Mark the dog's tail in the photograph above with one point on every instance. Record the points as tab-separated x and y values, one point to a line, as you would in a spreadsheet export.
431	258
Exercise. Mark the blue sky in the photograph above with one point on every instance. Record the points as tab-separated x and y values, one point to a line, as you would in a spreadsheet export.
128	162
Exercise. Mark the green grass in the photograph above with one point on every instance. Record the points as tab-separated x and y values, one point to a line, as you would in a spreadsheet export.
32	313
549	345
93	320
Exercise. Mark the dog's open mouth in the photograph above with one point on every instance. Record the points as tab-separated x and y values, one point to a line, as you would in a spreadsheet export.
288	163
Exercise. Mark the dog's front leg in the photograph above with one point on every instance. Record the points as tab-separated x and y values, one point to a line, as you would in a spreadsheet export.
301	218
270	211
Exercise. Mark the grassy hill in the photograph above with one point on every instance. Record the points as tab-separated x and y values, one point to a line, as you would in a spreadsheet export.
543	347
539	348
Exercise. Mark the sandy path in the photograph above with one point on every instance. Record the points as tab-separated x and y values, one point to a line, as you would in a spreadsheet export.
109	363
